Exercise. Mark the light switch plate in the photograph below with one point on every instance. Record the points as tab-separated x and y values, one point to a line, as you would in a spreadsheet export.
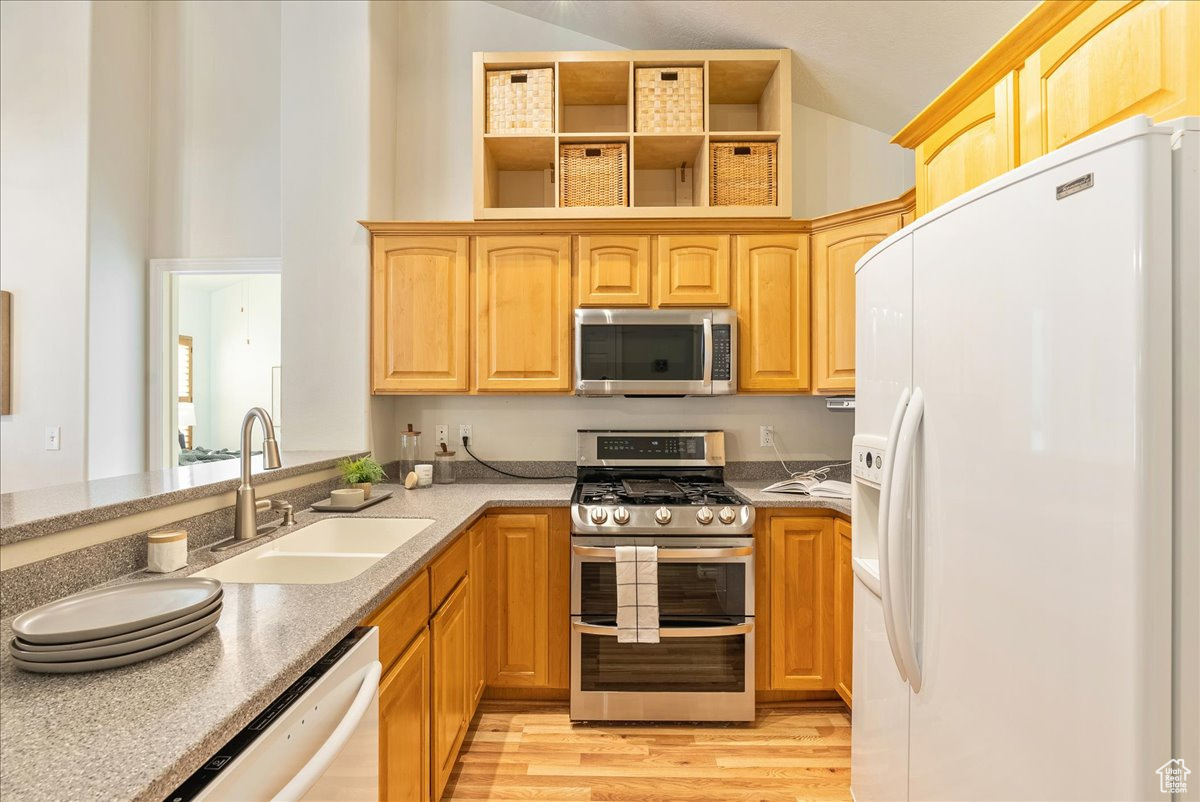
53	438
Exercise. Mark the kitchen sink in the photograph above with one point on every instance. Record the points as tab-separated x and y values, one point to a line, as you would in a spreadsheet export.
328	551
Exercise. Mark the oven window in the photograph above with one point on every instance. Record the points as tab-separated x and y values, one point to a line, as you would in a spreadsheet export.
679	665
684	589
642	352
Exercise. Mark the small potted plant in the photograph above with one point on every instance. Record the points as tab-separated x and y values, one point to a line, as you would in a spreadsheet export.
362	473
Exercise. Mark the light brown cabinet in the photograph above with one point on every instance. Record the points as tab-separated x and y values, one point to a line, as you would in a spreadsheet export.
613	270
450	634
773	313
834	252
692	270
419	317
523	318
975	145
843	610
528	555
477	537
404	709
801	580
1064	71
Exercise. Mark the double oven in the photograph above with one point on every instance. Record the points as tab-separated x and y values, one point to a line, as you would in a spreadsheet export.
702	668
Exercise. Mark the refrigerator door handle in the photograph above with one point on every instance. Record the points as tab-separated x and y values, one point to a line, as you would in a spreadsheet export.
885	491
900	577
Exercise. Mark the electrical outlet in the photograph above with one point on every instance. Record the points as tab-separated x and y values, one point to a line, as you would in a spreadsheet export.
442	434
766	436
53	438
464	432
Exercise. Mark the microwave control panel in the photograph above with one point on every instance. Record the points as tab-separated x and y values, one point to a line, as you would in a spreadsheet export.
722	360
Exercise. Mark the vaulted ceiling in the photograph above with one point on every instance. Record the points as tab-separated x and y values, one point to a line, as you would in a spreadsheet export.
876	62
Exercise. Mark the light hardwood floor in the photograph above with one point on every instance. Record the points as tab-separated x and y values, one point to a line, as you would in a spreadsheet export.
523	750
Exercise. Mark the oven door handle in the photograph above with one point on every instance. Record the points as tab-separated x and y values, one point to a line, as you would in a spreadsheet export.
670	632
670	555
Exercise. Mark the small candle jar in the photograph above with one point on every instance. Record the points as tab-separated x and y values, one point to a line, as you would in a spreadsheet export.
166	551
424	473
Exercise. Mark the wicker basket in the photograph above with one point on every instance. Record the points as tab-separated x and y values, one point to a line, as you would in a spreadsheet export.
743	174
520	101
593	175
669	99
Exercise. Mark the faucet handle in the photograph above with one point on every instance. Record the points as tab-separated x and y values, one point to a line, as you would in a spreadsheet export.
262	505
289	514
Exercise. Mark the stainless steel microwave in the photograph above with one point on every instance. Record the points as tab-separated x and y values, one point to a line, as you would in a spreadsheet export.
655	352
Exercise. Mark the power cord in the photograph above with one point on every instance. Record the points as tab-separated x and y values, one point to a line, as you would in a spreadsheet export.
813	475
504	472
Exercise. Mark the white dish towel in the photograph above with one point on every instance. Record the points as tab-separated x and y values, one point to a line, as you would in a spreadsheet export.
637	594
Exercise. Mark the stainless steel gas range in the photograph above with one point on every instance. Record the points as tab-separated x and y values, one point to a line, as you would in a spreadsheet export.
662	489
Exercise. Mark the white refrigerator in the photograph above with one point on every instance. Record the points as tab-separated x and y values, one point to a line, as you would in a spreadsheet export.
1025	484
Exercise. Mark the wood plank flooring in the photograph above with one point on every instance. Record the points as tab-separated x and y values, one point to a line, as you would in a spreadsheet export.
527	750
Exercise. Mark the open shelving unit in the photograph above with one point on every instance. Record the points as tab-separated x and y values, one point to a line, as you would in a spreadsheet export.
747	98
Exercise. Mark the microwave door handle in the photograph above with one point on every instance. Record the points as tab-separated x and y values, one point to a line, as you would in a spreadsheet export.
669	632
668	555
708	353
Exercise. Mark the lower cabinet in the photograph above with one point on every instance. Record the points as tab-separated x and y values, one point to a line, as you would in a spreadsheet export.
529	559
843	610
478	541
404	754
801	612
450	633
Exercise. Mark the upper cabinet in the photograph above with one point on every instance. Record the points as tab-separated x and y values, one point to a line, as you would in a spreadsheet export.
1066	70
835	251
977	144
419	292
632	134
1114	60
523	314
773	313
693	270
613	270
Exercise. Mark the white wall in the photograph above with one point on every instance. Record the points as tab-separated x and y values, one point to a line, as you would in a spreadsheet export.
338	155
194	313
838	164
525	428
244	336
118	218
44	74
215	128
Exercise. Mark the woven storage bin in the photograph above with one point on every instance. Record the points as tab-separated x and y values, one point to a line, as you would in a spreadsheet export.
520	101
593	175
669	99
743	174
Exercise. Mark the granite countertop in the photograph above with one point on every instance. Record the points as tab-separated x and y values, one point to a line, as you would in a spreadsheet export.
137	732
31	513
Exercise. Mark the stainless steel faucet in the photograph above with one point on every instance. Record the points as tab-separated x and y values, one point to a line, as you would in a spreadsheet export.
244	524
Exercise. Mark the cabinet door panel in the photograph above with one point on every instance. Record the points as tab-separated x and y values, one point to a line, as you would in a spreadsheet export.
523	321
773	307
693	270
614	271
450	633
517	548
1114	60
404	702
843	611
835	252
419	320
801	608
977	144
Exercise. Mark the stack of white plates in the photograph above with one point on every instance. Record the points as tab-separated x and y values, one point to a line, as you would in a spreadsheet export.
116	626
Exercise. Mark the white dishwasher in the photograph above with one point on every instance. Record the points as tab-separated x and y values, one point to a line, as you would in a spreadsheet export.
319	741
